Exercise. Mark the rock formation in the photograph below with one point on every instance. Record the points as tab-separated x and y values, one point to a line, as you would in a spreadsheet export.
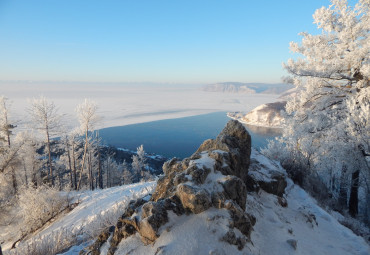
216	176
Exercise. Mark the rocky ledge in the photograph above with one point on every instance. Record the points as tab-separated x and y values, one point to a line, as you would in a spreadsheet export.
215	176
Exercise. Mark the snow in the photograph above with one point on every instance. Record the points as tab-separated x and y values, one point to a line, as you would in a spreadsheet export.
186	235
313	229
121	104
274	224
265	115
94	209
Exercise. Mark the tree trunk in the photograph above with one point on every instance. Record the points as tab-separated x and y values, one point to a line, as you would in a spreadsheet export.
49	154
100	175
74	167
69	161
83	159
343	188
353	198
107	174
34	180
14	180
25	173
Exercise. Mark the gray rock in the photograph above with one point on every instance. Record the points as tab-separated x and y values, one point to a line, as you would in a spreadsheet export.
231	238
240	220
94	249
198	175
235	190
235	140
194	199
293	243
180	178
218	199
154	215
282	201
276	185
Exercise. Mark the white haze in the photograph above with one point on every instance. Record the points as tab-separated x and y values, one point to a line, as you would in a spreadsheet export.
124	104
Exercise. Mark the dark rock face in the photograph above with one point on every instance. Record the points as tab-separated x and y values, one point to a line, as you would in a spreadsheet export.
235	140
276	185
95	247
214	176
271	181
235	189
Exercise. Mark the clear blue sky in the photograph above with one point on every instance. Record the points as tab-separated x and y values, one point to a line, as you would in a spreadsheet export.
150	41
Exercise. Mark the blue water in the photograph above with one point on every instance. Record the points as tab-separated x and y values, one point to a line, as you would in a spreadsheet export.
177	137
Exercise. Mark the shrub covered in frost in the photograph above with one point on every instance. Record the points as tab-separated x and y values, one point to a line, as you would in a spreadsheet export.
40	205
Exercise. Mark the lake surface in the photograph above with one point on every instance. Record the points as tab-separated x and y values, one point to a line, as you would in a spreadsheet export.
178	137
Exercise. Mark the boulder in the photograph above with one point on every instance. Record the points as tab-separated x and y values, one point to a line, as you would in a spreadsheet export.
196	200
270	180
231	238
275	184
154	215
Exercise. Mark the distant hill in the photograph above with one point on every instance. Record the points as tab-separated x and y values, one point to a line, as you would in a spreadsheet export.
248	88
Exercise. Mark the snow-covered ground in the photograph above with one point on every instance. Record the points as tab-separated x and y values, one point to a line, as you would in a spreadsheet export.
125	104
314	230
300	228
95	210
303	222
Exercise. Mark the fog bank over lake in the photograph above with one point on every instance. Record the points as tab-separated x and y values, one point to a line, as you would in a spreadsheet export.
125	104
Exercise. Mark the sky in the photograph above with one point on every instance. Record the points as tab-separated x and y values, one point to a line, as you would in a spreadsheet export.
160	41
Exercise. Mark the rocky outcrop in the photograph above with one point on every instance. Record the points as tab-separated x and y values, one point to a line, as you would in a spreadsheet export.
216	175
262	177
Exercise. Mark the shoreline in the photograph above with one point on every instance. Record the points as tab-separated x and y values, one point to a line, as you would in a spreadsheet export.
251	124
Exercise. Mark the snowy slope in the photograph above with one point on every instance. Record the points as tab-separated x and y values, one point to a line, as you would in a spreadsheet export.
302	222
95	209
300	228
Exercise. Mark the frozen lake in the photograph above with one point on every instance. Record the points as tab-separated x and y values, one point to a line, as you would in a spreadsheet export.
168	119
126	104
178	137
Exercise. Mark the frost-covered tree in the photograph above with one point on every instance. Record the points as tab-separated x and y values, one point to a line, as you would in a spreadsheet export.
331	73
46	119
88	118
39	205
6	126
126	174
139	162
112	171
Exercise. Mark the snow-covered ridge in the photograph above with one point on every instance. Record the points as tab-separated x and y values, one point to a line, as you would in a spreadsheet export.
266	115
